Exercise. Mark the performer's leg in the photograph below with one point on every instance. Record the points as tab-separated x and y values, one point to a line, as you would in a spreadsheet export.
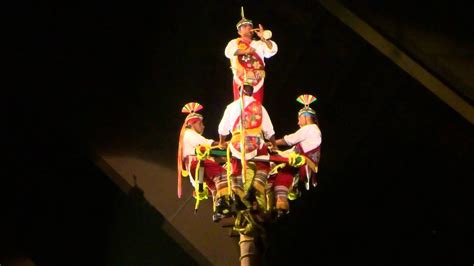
222	202
213	170
283	181
236	178
269	191
220	182
260	180
257	193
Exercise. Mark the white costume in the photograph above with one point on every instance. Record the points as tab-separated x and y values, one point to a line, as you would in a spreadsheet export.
232	113
308	136
228	124
191	140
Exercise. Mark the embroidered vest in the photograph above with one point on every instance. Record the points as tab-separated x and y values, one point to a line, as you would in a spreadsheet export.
253	127
249	66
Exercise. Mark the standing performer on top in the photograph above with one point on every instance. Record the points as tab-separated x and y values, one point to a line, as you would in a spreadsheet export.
247	56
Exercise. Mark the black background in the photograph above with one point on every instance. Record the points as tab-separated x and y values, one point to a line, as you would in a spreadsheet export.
395	184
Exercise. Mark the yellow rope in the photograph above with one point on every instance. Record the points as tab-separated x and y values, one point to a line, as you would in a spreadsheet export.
229	170
246	224
242	135
276	168
296	160
199	195
201	155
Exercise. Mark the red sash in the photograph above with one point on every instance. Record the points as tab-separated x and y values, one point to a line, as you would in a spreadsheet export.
314	154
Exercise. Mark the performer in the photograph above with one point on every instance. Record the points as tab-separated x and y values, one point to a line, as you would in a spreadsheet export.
257	127
305	141
247	57
214	174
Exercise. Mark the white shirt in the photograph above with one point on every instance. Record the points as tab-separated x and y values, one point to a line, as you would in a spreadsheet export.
260	48
308	136
232	113
191	140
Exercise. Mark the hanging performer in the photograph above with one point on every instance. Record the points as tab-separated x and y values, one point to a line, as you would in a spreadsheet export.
247	56
305	141
213	175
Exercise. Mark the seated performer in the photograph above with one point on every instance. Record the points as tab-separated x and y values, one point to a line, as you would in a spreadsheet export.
305	141
214	174
257	127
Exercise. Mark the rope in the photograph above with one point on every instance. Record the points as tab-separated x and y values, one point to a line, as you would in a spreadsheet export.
296	160
246	224
202	153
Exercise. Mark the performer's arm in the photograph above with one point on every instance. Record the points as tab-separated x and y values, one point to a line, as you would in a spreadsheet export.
294	138
281	142
268	43
273	143
267	126
225	126
222	142
231	49
224	129
260	35
194	139
270	47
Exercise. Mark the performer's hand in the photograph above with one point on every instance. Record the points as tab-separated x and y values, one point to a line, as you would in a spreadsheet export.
250	50
220	160
273	151
272	148
222	145
260	32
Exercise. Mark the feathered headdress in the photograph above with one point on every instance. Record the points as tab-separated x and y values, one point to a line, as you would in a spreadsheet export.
306	100
191	109
243	20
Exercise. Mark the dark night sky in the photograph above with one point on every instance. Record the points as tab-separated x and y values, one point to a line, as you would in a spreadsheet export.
394	188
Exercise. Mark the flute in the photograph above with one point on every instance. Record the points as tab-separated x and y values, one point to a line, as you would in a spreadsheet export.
267	34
